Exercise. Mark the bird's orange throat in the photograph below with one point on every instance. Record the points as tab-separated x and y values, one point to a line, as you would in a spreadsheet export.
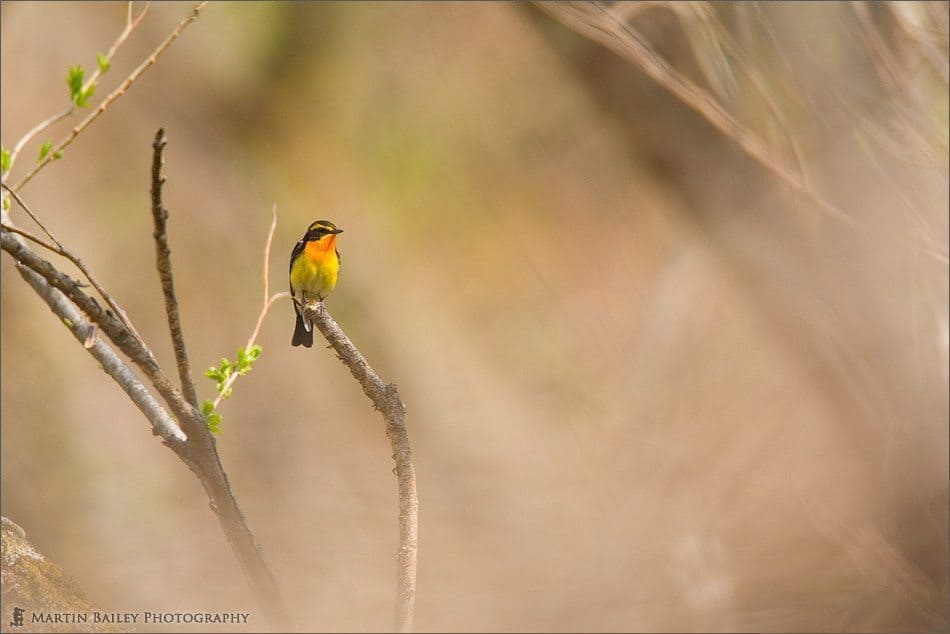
320	249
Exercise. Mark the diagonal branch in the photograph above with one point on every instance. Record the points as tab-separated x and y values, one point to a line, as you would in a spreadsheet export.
115	94
385	398
162	424
72	257
163	261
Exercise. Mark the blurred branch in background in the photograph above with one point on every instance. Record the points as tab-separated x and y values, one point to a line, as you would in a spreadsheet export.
715	52
385	399
860	311
599	22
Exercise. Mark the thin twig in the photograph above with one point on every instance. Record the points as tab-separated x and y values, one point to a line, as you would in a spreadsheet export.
385	398
29	236
164	264
268	302
118	92
130	25
72	257
43	125
30	213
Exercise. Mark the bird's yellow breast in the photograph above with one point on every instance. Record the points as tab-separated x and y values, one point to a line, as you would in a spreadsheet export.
314	273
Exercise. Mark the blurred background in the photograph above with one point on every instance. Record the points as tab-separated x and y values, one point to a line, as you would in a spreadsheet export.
651	386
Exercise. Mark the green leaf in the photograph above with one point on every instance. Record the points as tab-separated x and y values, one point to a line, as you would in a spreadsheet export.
75	75
68	322
57	155
207	407
5	159
214	423
104	63
75	78
6	204
247	357
84	96
47	147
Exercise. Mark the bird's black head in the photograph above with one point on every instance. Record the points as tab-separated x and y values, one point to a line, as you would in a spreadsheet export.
321	228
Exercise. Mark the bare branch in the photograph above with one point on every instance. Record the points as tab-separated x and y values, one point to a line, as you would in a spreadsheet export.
72	257
385	398
84	331
118	92
130	25
163	261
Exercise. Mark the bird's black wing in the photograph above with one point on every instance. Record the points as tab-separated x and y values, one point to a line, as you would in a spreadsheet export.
298	249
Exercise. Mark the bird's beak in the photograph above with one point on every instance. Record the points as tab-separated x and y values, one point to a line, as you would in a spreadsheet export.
336	231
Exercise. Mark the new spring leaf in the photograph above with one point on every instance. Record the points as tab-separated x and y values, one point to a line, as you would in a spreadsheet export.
214	419
75	77
44	150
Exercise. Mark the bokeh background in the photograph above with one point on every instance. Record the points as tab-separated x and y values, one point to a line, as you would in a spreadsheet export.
650	386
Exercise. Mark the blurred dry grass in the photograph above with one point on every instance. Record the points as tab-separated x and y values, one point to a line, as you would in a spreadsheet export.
649	388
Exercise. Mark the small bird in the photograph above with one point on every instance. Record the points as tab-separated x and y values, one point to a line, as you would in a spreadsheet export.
314	267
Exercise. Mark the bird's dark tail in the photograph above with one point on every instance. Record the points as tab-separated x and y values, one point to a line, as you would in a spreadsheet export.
302	336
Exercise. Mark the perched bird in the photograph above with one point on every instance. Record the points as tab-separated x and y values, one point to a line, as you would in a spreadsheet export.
314	266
